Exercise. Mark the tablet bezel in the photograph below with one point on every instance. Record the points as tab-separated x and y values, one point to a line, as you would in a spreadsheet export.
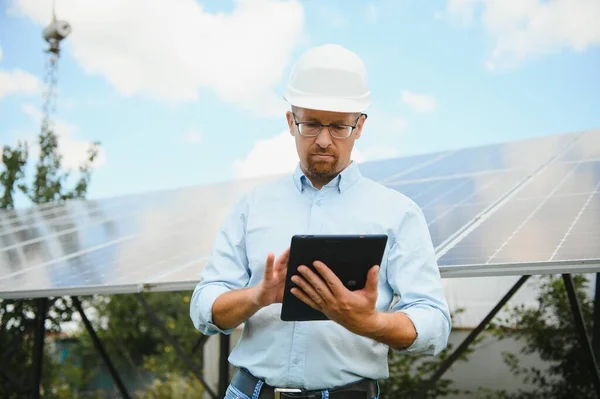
350	257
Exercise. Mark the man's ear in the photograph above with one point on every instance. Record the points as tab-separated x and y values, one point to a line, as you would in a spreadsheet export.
290	120
359	126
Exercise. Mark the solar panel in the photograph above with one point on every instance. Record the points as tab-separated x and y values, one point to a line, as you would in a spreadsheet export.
112	246
527	155
450	203
161	240
394	168
587	148
553	218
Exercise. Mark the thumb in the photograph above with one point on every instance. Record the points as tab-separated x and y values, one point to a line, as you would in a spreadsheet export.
372	280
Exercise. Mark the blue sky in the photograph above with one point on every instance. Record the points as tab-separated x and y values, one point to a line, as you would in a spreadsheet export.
188	92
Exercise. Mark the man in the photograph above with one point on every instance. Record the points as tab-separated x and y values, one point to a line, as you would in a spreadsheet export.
243	281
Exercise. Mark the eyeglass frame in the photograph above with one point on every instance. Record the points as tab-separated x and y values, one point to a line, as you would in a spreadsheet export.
329	125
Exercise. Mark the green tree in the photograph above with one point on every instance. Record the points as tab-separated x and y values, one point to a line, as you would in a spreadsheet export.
548	331
17	317
138	343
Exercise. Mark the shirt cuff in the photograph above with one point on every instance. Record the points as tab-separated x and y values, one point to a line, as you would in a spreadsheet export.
206	300
429	331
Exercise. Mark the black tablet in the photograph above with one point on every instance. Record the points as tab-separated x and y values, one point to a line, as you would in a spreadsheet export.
350	257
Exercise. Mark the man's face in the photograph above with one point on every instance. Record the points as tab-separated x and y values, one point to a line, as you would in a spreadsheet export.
324	156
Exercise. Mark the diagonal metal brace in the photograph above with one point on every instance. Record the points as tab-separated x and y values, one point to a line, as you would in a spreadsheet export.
100	348
193	367
470	338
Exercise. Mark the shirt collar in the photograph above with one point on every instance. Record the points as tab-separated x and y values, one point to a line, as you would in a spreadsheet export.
344	180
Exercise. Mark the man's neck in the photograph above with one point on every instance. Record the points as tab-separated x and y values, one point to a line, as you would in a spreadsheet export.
319	183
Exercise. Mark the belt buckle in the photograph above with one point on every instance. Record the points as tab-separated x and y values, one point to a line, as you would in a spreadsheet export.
278	391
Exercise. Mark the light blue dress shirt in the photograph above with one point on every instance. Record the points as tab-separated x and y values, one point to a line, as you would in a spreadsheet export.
323	354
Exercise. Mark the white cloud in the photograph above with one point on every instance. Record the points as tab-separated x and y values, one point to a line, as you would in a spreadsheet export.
172	50
525	29
273	156
193	137
73	150
17	81
422	103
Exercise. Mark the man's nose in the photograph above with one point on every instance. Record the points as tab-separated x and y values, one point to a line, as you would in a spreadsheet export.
324	138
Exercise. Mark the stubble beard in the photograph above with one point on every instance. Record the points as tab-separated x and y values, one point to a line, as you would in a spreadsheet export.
322	171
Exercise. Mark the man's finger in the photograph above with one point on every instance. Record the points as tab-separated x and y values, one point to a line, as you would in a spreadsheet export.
305	298
269	266
333	282
319	285
308	289
282	260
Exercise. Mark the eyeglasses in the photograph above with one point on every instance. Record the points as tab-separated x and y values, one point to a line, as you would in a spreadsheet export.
338	131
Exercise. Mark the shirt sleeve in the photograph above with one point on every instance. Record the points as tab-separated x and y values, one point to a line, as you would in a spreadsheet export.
414	276
227	269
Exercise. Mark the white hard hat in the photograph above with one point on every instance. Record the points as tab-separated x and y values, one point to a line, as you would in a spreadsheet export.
329	78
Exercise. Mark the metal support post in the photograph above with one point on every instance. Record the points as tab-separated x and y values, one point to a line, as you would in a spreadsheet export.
100	348
470	338
581	331
193	367
224	364
38	347
199	345
596	323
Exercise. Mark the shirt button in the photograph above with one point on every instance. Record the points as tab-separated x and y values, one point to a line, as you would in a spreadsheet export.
318	202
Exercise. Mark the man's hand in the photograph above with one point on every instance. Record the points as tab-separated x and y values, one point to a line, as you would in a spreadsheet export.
324	291
270	289
354	310
235	307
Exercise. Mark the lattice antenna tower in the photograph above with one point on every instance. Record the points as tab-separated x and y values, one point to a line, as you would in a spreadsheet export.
54	33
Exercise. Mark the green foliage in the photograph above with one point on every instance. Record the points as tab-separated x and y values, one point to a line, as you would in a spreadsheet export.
130	331
548	330
137	347
14	160
50	180
410	372
173	386
17	317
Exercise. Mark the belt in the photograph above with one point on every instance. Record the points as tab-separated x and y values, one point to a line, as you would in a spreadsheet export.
246	383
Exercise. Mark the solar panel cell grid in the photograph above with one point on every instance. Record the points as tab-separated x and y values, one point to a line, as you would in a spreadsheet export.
586	149
539	224
382	169
449	204
526	155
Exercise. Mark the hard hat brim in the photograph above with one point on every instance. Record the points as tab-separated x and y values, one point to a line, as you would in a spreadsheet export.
346	105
